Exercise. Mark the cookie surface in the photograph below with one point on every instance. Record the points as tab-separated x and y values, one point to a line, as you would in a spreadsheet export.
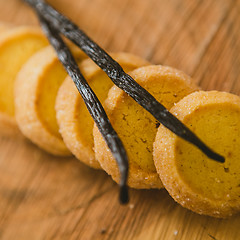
36	89
74	120
21	42
193	180
137	127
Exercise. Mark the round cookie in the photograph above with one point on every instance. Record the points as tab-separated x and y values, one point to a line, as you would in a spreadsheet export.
36	88
74	120
137	127
16	46
193	180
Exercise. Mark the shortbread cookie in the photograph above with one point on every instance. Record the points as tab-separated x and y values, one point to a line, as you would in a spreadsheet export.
73	117
192	179
137	127
16	46
36	89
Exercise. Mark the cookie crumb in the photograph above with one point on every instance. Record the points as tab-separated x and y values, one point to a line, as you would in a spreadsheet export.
131	206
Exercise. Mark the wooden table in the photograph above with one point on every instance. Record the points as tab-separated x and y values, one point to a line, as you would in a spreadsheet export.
45	197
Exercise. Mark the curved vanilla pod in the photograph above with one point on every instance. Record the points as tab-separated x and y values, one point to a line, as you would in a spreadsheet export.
93	105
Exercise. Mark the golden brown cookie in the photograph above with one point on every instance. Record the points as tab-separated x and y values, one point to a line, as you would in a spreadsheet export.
137	127
16	46
36	89
73	118
193	180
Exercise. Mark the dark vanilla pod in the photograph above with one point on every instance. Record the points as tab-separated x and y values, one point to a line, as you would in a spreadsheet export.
92	103
118	76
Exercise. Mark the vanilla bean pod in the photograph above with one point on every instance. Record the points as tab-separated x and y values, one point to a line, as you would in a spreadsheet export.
119	77
93	104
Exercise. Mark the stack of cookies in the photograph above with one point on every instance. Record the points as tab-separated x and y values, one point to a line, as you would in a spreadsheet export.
39	99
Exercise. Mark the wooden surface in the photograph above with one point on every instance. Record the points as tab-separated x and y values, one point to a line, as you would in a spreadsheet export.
45	197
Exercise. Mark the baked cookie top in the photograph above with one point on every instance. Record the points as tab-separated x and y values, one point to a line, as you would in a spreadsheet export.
75	122
22	42
36	88
192	179
137	127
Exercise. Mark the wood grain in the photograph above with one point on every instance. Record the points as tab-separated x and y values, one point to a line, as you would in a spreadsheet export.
45	197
